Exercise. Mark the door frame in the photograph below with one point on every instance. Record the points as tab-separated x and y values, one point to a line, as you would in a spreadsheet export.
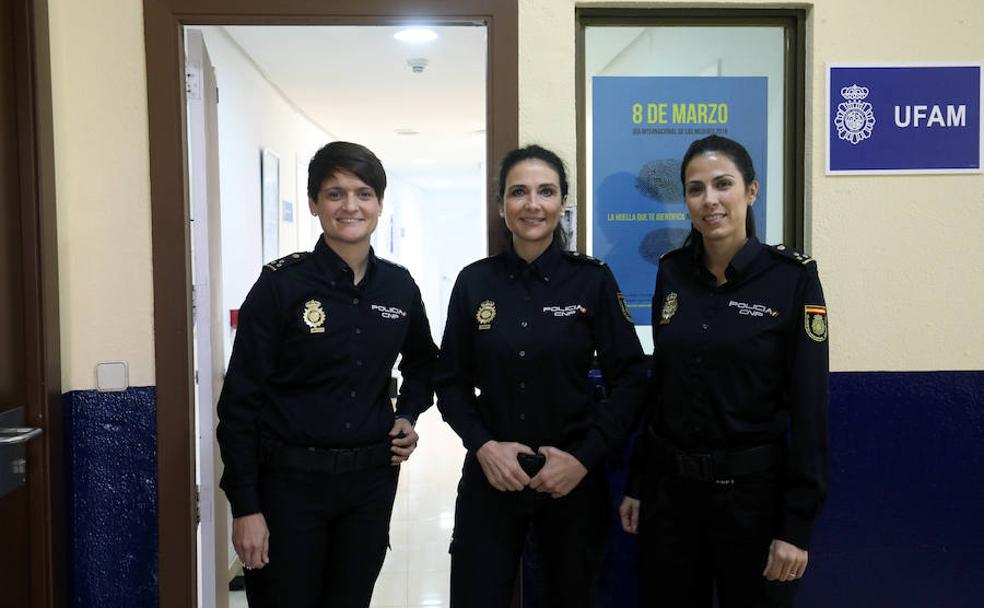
163	23
42	357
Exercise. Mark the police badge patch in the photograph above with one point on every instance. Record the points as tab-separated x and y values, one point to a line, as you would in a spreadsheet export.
485	314
815	322
624	307
314	316
670	305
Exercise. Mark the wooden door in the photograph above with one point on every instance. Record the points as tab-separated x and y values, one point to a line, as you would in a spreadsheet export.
31	514
14	498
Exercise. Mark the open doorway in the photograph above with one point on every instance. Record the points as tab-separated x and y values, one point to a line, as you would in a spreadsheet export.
261	100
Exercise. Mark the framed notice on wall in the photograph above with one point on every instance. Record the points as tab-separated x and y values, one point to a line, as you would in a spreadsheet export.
884	119
642	126
270	204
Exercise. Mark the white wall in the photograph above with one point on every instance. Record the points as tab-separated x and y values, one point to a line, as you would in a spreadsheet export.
253	115
102	180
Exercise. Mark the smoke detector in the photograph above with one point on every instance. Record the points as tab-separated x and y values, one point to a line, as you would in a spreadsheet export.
417	64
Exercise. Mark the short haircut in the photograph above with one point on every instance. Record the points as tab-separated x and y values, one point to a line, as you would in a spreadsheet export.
349	158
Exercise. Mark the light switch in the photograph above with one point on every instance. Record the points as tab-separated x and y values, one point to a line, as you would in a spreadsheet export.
112	376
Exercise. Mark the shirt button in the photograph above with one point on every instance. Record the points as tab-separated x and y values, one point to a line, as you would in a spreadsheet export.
358	362
698	359
522	385
358	330
522	416
703	326
512	276
355	300
524	324
348	425
522	353
352	394
546	279
526	298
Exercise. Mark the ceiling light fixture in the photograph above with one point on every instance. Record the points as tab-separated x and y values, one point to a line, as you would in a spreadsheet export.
406	131
415	34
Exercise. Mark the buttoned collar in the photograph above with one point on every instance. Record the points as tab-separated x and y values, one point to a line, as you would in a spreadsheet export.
544	267
335	267
740	265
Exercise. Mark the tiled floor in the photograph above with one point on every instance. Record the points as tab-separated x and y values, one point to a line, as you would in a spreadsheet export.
417	570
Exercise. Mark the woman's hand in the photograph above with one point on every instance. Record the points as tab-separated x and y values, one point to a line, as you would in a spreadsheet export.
560	474
251	539
501	467
403	446
786	562
628	513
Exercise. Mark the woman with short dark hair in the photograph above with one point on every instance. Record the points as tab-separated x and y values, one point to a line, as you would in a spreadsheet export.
308	435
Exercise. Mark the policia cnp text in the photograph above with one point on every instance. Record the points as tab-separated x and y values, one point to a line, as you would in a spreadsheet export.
306	426
720	498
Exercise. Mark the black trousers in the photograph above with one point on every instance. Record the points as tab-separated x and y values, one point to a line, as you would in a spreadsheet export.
328	537
695	537
490	529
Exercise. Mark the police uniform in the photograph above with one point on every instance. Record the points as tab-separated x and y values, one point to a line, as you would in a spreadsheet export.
524	336
736	369
304	417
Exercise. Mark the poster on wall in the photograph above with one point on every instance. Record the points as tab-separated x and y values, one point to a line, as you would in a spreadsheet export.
641	127
884	119
270	204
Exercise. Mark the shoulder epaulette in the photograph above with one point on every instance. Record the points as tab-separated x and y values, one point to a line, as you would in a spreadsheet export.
287	260
791	255
587	259
672	252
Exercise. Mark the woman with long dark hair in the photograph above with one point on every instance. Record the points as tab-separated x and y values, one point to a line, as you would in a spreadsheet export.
730	473
522	329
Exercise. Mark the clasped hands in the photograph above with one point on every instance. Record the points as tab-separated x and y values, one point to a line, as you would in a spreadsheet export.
560	473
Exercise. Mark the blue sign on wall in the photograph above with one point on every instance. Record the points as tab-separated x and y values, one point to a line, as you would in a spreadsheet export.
904	119
641	128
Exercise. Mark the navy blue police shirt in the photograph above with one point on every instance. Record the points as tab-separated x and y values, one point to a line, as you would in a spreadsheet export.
524	336
312	360
745	364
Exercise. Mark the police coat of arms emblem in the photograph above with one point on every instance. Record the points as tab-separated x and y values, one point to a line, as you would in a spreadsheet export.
314	316
855	118
485	314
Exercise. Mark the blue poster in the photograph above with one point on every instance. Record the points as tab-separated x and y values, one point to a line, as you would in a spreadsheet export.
641	128
904	119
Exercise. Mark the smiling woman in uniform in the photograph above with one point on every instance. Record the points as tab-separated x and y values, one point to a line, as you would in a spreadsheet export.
522	329
306	428
722	502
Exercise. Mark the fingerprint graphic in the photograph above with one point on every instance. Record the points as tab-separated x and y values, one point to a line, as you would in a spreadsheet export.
660	180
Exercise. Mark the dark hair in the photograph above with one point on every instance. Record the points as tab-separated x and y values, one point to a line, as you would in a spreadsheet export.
533	152
350	158
739	156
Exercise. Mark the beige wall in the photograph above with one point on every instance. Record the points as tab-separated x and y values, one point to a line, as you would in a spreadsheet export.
102	177
899	255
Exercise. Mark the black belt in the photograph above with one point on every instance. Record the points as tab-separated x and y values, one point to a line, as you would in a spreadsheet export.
718	465
333	461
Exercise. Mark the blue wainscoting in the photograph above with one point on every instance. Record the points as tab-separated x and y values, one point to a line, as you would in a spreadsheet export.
111	471
903	526
904	521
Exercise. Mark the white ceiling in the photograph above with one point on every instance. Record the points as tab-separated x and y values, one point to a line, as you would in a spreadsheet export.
355	83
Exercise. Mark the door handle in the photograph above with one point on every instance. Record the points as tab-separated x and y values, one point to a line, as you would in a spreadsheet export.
17	435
